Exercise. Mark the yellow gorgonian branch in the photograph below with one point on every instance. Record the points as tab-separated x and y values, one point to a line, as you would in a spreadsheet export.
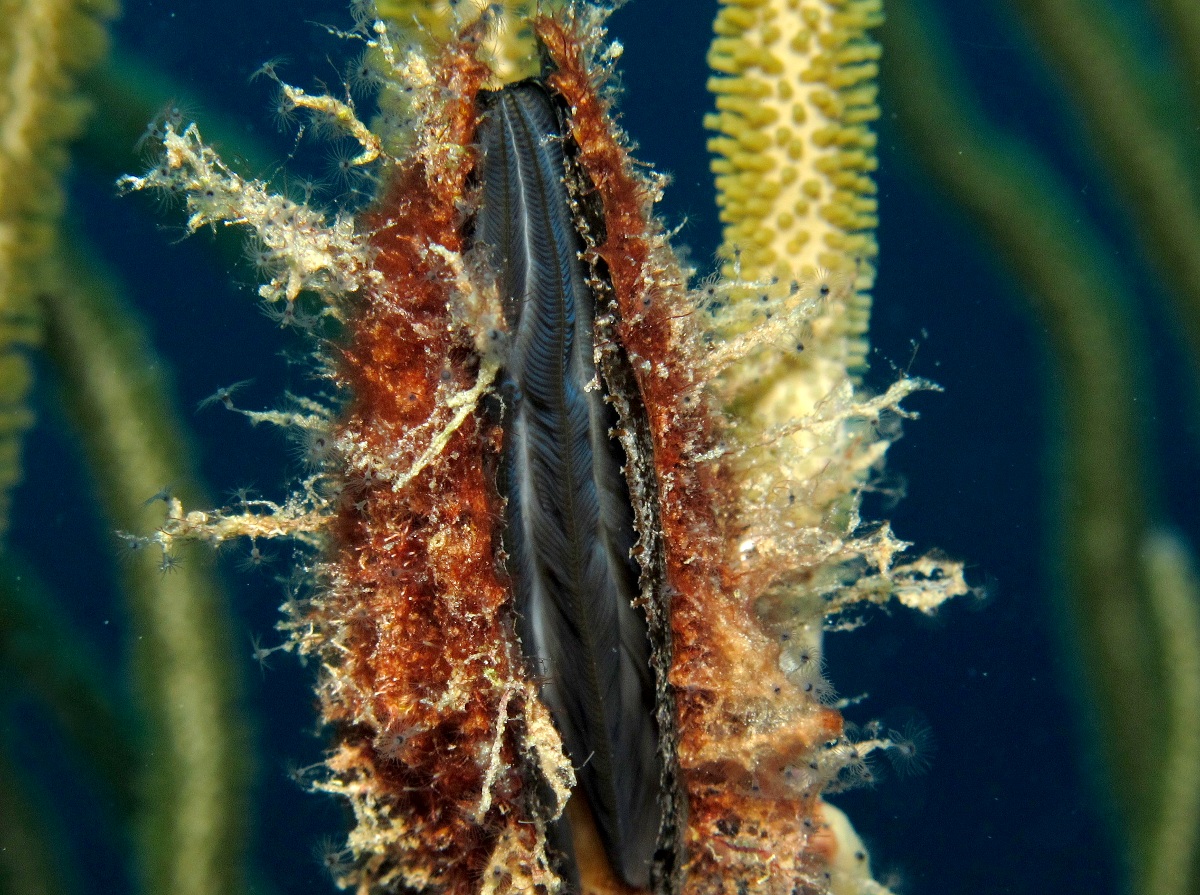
796	92
795	88
191	773
44	46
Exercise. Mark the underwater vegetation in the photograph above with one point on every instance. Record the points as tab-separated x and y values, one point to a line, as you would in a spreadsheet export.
154	706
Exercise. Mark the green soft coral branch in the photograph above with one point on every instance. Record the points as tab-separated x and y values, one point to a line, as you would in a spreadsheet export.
194	820
41	651
44	46
134	95
1181	19
30	862
43	656
1030	218
1174	588
191	769
1142	153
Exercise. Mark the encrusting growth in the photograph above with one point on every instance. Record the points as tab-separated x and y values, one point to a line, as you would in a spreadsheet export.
746	544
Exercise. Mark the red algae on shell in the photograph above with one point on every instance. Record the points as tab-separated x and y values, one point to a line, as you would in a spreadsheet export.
449	761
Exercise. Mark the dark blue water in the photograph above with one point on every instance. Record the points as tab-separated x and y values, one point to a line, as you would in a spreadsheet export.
1011	802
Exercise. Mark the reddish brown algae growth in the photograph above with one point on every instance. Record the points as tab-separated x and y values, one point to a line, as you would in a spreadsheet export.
447	757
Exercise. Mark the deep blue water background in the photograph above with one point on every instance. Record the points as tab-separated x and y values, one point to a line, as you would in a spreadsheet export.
1010	803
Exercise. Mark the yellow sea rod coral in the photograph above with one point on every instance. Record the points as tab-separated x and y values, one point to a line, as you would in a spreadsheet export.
795	94
44	45
795	87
